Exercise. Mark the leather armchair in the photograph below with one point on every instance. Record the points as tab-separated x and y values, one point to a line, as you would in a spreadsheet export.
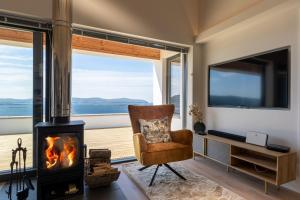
159	153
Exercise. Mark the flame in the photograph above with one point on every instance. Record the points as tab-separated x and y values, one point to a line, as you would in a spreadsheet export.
68	155
71	154
61	152
51	155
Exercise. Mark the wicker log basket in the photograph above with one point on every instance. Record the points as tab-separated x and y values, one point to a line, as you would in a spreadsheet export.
98	170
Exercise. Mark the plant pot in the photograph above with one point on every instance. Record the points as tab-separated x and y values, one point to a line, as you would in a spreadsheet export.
199	128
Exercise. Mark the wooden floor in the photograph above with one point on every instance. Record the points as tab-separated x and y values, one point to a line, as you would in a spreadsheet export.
118	140
245	186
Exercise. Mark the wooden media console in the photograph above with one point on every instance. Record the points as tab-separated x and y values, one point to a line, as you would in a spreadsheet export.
269	166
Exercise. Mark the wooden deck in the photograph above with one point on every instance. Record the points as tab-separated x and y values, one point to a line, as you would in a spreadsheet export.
118	140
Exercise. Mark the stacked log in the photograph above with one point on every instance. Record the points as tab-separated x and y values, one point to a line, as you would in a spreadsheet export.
99	169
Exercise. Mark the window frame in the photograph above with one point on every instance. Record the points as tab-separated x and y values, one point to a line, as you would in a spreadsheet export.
168	92
39	35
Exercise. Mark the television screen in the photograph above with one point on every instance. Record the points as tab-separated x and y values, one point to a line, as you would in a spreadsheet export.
260	81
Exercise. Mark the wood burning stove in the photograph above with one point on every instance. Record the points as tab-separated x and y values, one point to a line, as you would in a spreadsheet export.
59	148
60	167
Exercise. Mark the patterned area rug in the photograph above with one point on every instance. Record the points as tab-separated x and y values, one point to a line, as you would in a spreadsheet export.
167	186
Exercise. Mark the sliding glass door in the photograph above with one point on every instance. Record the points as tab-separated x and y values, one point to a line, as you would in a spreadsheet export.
174	85
103	85
177	86
21	90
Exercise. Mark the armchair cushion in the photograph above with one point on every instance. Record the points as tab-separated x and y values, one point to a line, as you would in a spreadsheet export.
164	146
155	130
161	153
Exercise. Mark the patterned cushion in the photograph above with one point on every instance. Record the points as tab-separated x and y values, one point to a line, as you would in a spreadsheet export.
156	130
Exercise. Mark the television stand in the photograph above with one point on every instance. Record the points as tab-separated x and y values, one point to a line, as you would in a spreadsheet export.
269	166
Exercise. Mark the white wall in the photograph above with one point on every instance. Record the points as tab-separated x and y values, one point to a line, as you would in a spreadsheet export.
277	30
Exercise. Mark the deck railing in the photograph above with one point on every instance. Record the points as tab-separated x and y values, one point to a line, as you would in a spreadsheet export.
111	131
23	124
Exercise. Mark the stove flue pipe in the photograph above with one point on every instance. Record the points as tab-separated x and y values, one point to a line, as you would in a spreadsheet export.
61	60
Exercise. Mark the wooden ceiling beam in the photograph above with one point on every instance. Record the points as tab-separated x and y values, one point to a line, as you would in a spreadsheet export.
89	44
111	47
15	36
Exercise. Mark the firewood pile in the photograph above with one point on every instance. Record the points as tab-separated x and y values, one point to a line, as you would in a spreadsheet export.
98	169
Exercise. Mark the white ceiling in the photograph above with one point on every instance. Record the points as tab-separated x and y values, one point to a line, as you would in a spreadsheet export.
177	21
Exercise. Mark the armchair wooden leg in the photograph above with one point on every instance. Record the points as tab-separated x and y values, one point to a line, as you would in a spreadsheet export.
145	167
153	177
175	172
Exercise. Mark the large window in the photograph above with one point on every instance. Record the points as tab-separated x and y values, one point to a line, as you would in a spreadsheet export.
174	82
21	91
105	84
15	80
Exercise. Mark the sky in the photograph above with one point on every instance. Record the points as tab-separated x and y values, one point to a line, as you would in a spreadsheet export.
235	84
112	77
15	72
176	79
92	75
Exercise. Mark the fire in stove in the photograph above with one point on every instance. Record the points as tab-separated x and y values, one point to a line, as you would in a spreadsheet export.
60	152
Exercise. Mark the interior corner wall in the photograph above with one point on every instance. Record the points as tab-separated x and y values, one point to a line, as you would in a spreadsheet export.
195	78
278	30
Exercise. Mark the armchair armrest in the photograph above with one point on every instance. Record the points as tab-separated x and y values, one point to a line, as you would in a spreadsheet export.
140	144
182	136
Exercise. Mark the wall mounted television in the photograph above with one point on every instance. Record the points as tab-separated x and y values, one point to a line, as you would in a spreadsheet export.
257	81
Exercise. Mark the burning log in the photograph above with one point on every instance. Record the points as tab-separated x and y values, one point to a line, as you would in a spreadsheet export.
60	152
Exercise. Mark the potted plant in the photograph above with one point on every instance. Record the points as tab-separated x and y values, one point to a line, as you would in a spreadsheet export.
196	113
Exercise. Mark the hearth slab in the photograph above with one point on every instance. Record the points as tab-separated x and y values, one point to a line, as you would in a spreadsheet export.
108	193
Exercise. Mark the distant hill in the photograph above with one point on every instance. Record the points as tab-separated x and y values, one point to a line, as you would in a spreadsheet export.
15	107
102	100
23	107
104	106
15	101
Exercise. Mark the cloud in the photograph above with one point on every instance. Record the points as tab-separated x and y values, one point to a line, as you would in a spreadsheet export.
110	76
16	92
8	49
112	84
14	65
16	58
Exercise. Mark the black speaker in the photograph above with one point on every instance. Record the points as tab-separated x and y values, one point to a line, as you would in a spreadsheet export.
279	148
227	135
